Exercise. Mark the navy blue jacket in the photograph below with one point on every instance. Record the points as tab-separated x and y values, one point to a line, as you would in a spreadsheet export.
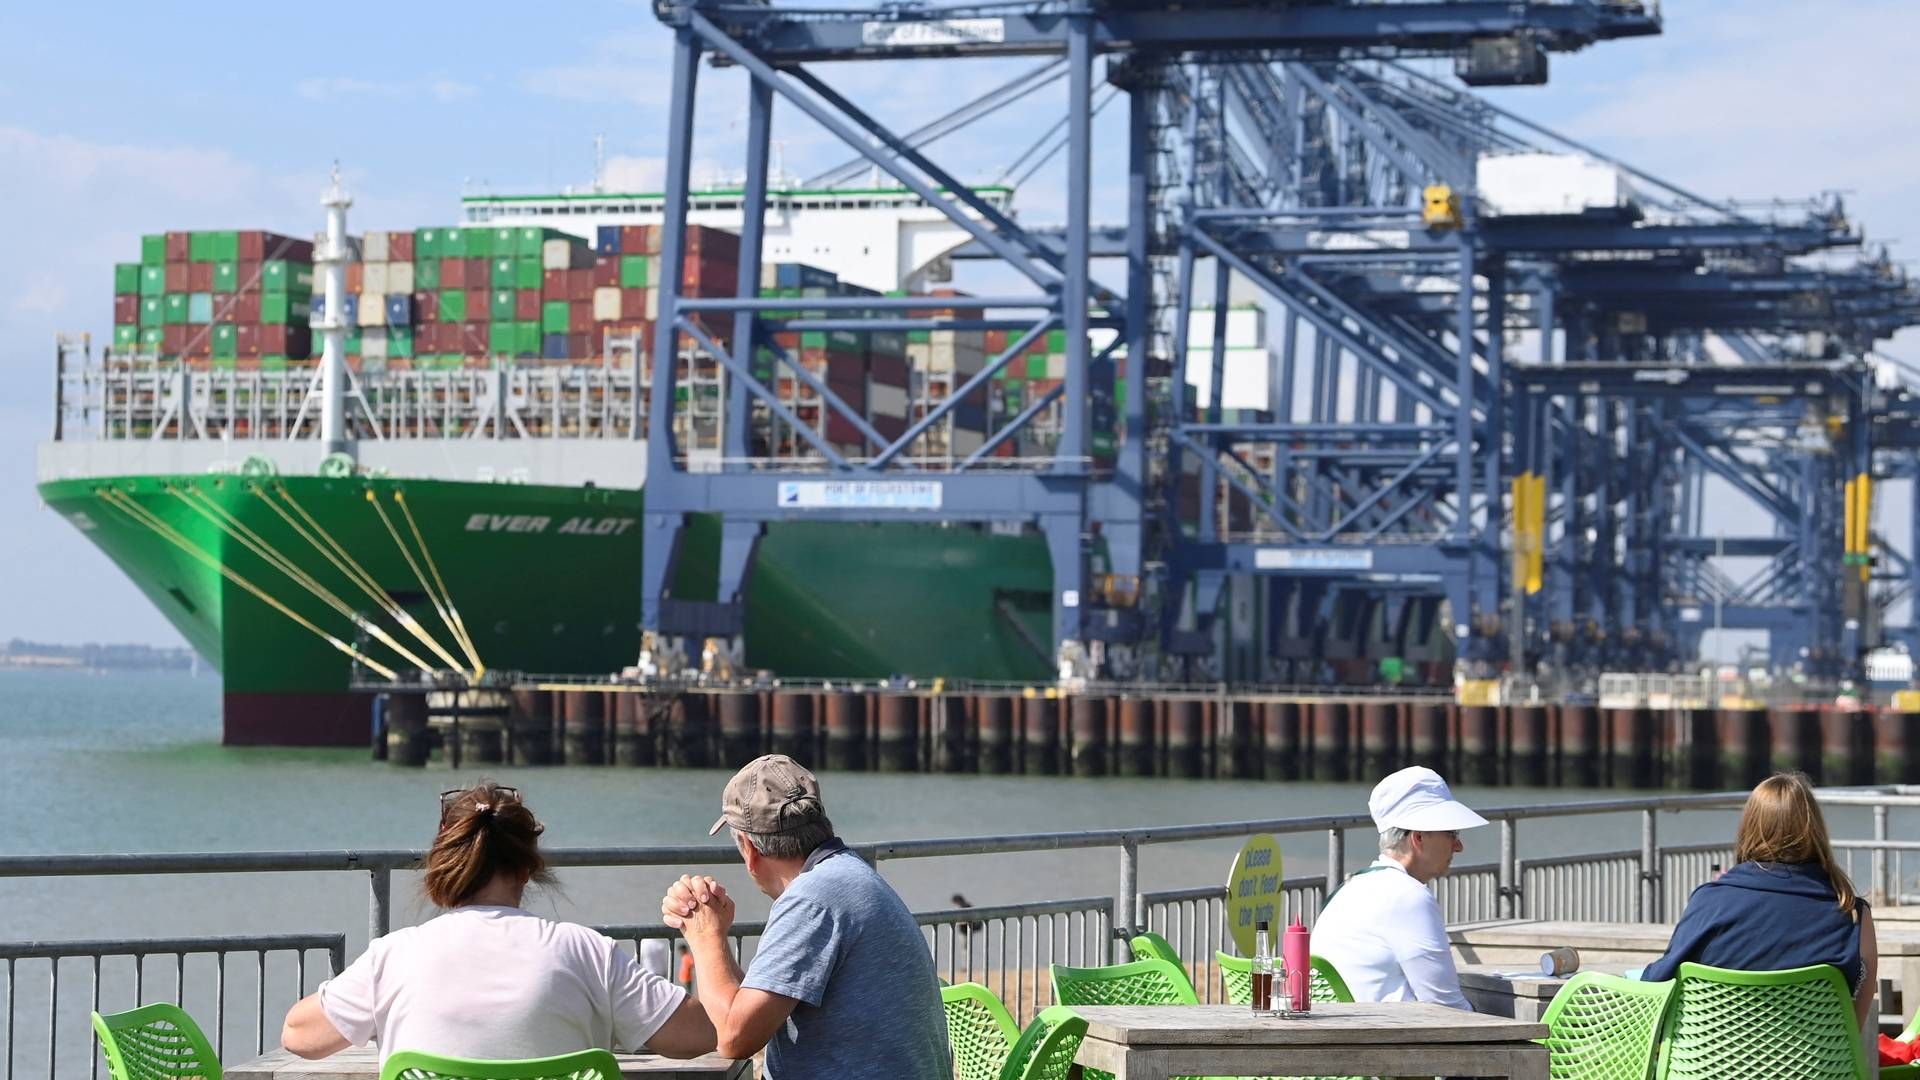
1765	917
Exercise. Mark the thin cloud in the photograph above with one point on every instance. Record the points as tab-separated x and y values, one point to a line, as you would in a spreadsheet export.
621	69
343	87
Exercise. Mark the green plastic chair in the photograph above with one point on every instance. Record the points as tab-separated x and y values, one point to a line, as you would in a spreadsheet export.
1603	1027
1142	982
1795	1023
1236	977
579	1065
1147	945
986	1046
1904	1072
156	1042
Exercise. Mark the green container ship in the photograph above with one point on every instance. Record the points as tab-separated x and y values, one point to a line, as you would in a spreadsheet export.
489	515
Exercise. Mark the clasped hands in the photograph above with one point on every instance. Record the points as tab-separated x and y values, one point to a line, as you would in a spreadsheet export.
698	907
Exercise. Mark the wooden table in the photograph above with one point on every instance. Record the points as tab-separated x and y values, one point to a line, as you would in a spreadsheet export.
363	1063
1155	1042
1506	991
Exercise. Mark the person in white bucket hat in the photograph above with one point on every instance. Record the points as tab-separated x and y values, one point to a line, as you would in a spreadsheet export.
1382	929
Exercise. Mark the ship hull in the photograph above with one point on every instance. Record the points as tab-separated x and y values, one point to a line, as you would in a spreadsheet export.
264	577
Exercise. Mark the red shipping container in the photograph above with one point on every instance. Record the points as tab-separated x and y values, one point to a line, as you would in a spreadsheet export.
246	307
179	247
288	248
479	302
473	338
173	339
176	274
996	341
633	303
841	431
400	247
633	240
890	427
200	277
526	305
272	338
426	307
580	317
887	370
580	285
199	341
606	271
479	273
453	273
126	310
226	308
253	246
356	278
247	276
246	338
715	243
582	346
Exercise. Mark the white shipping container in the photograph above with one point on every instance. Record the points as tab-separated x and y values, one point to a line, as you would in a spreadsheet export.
606	304
373	276
965	442
653	304
400	277
556	255
884	400
1056	366
375	247
372	310
373	343
1246	328
1245	377
373	363
1548	184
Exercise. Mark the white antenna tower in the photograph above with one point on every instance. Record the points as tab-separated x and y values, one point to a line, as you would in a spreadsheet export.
599	164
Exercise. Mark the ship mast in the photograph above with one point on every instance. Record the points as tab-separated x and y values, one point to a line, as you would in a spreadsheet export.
333	358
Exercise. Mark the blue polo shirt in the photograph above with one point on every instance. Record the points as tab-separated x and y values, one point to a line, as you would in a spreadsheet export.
1766	917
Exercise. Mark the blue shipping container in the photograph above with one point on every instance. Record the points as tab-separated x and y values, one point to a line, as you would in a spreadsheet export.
351	307
969	417
199	307
554	347
802	276
607	240
399	309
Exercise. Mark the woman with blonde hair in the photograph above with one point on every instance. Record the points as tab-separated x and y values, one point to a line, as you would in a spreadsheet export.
486	979
1784	904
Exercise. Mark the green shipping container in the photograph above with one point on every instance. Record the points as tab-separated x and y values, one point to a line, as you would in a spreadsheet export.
225	342
500	337
126	279
426	246
354	341
633	271
153	249
126	336
226	276
526	338
453	243
527	272
505	241
479	243
426	273
153	311
813	339
1056	341
226	246
200	308
280	308
553	316
502	308
200	247
400	341
529	241
504	274
151	337
919	337
176	307
281	276
453	305
224	363
273	363
1037	366
153	280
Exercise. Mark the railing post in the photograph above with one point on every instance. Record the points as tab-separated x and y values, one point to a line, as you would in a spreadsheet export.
379	901
1880	883
1648	909
1336	861
1127	912
1509	879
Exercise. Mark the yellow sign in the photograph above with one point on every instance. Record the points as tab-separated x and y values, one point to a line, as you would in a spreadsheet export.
1254	894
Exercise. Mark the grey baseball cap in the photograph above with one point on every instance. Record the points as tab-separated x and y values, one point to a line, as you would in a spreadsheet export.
768	796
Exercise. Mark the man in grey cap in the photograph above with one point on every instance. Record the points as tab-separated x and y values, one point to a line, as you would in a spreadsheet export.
842	983
1382	929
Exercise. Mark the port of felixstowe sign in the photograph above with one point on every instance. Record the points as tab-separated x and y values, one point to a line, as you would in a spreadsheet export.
859	494
1253	891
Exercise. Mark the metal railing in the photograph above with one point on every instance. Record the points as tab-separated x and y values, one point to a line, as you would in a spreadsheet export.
121	986
1008	947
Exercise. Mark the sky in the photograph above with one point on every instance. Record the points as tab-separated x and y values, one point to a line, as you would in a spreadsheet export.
229	117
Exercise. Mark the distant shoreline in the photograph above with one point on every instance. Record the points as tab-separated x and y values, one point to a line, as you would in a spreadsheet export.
18	655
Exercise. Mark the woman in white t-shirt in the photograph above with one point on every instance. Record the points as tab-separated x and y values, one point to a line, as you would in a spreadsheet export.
487	980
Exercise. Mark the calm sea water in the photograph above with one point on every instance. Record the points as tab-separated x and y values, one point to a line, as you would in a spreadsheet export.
132	763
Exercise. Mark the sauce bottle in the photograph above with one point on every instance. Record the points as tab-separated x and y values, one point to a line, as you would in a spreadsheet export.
1297	953
1262	972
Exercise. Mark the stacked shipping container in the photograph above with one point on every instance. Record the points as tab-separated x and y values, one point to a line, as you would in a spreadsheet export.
216	299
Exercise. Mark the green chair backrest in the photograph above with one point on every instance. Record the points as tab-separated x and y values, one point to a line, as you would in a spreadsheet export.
1142	982
979	1031
1603	1027
1045	1050
1147	945
155	1042
1236	977
579	1065
1796	1023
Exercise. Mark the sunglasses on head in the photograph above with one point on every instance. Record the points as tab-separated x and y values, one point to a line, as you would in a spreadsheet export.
504	795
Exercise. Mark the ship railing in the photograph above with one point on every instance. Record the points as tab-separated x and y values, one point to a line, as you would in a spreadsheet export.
1292	692
1006	946
207	973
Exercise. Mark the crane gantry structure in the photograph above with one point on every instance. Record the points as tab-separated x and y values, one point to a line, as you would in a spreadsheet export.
1491	425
